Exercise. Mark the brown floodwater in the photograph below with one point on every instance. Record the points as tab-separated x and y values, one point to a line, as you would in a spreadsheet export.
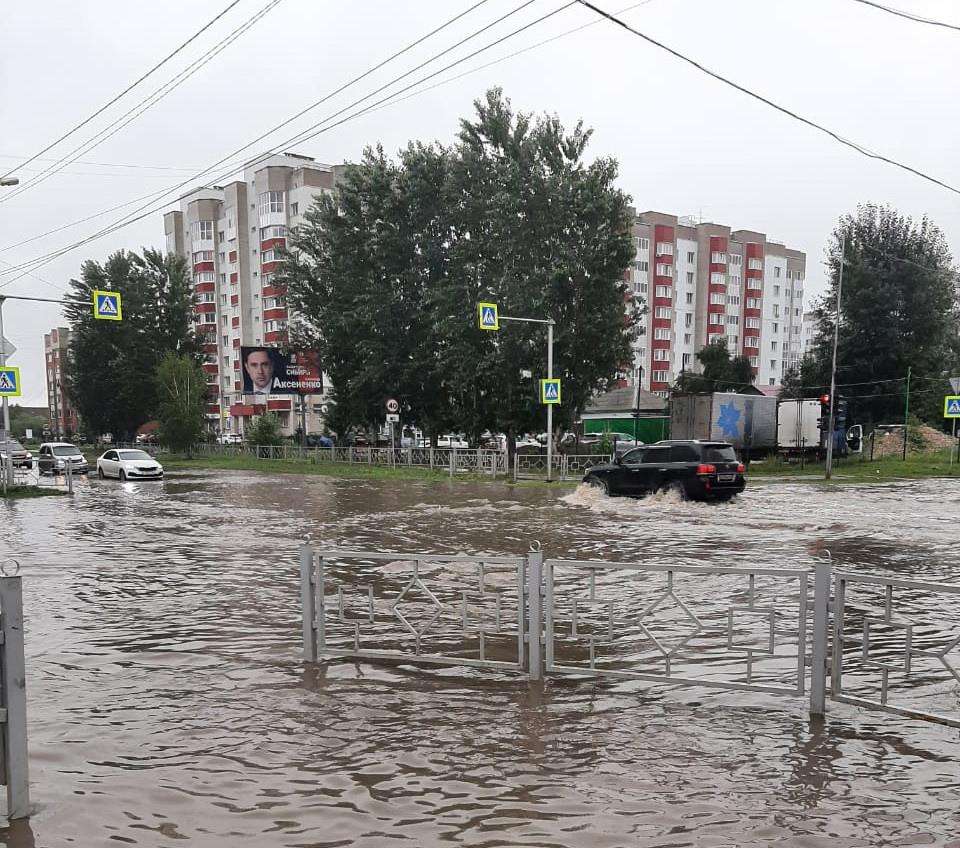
168	703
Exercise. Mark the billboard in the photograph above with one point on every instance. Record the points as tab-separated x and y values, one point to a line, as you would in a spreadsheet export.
272	371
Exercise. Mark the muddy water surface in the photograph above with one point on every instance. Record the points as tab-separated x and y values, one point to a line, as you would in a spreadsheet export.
168	704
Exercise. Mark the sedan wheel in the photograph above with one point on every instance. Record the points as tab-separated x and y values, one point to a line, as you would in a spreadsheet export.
100	473
123	476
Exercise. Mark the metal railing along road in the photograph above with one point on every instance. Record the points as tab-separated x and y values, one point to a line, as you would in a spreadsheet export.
533	466
735	628
14	772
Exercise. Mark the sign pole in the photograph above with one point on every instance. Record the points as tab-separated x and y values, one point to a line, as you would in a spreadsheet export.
549	405
3	361
833	367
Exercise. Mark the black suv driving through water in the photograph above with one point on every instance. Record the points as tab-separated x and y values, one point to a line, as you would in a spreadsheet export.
698	470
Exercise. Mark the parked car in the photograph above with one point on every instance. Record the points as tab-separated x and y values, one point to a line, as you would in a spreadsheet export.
698	470
128	464
22	458
54	457
452	440
230	439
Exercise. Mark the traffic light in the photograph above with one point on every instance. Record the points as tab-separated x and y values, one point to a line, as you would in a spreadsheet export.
825	400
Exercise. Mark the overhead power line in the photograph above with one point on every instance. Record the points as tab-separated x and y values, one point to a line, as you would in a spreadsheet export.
784	110
136	111
127	220
908	15
128	89
105	164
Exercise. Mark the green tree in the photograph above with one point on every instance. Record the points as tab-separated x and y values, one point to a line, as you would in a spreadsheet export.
182	390
23	418
266	431
388	275
899	310
112	365
719	371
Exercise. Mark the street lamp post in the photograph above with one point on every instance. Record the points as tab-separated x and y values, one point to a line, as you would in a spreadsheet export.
8	181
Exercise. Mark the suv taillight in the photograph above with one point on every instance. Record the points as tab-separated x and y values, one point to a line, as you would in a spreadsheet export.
741	468
706	469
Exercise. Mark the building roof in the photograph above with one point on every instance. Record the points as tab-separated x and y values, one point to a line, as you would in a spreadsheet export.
623	399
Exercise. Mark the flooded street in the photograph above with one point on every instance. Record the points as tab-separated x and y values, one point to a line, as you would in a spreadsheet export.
168	702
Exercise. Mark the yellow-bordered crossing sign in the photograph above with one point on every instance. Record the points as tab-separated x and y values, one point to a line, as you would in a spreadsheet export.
550	391
106	305
951	406
488	316
10	381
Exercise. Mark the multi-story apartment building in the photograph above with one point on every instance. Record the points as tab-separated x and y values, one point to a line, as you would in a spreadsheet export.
230	235
63	417
703	282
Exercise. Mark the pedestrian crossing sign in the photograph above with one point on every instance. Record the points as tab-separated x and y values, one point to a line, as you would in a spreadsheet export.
489	318
550	391
951	406
106	305
9	382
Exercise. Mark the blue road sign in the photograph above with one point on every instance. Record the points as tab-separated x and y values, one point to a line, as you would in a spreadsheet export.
9	382
488	317
550	391
106	305
951	406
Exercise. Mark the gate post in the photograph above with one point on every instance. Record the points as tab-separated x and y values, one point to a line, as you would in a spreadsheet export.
453	460
534	613
308	604
15	771
821	624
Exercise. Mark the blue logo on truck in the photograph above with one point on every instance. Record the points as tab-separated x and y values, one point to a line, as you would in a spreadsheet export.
729	420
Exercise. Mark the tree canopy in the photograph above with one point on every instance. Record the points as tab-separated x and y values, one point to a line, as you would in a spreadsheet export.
721	372
182	392
112	365
387	276
899	309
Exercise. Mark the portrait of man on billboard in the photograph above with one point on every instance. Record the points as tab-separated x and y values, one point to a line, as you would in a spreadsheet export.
262	367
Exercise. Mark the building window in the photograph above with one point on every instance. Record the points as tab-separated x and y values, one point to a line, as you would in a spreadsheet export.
755	361
717	298
752	323
271	202
776	270
663	312
773	345
753	303
689	298
223	320
718	278
643	244
718	258
755	264
205	277
733	299
640	288
662	291
733	319
642	265
776	311
664	248
276	231
294	208
686	341
202	230
688	320
223	279
689	278
661	355
664	270
776	327
736	259
735	280
268	256
662	333
715	318
203	256
660	376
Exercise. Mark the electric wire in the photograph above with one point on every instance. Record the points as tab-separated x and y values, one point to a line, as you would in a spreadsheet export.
127	90
908	15
308	133
144	105
870	154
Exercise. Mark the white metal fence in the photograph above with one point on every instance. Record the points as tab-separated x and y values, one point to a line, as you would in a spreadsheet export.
645	621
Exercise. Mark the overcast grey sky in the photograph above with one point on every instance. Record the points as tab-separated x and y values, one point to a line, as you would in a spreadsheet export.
686	144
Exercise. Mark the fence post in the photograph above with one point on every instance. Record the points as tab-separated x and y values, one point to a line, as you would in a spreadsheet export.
308	604
431	457
534	613
69	470
821	623
453	460
13	682
516	467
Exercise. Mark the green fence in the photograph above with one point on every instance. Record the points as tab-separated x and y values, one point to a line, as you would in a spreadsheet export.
647	429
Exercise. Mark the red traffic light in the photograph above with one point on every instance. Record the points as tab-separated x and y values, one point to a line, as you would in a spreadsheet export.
824	399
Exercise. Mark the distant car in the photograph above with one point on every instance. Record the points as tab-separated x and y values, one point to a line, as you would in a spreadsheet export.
129	464
230	439
451	440
55	457
22	458
697	470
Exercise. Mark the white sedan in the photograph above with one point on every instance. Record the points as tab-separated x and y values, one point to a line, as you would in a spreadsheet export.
127	464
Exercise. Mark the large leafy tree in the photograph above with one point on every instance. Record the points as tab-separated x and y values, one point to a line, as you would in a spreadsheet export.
182	392
898	310
112	366
719	371
388	274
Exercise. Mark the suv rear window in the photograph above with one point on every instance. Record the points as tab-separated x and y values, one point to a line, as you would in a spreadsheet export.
719	453
683	453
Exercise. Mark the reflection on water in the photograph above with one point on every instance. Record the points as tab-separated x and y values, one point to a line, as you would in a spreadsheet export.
168	702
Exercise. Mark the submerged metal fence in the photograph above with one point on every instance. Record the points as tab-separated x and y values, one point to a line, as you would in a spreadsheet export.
765	630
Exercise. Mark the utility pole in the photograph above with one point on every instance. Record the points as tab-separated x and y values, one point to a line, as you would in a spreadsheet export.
906	413
3	362
833	367
550	323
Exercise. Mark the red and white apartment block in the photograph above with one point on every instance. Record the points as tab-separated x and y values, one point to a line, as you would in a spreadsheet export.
231	235
703	282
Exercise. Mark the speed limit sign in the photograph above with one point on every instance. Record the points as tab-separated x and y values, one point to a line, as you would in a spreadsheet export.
393	405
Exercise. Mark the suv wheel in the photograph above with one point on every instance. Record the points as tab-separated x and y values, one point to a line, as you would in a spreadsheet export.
595	482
